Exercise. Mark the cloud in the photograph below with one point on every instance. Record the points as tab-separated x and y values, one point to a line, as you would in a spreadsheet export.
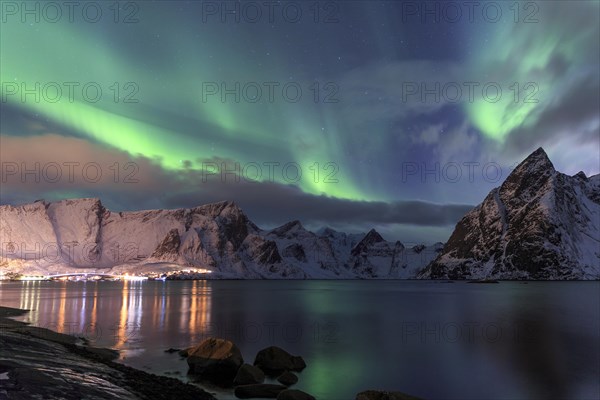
429	135
275	203
572	111
264	202
55	162
560	54
569	124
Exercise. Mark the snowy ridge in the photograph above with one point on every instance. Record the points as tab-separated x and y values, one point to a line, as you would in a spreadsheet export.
74	235
539	224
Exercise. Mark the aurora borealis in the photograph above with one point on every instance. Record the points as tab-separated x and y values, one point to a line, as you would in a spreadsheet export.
386	96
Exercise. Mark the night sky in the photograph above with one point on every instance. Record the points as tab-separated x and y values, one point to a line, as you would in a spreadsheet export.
379	106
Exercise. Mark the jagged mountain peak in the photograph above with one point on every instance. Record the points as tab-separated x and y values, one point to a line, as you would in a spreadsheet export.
231	214
540	224
581	175
398	244
538	154
83	200
226	207
369	240
536	161
373	237
91	202
530	179
288	227
229	204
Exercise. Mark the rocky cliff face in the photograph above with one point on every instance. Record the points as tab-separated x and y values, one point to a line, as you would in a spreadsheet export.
45	238
539	224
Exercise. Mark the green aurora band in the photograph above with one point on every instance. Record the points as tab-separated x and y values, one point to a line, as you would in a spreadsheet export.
521	54
62	53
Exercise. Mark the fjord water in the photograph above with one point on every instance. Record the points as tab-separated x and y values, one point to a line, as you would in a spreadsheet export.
513	340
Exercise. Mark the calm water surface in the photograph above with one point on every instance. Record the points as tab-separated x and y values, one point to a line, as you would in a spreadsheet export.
434	340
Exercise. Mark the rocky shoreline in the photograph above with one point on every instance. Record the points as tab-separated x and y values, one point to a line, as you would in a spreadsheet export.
39	363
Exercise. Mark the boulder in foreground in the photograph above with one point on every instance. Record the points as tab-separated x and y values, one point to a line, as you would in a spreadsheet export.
249	374
215	360
287	378
274	360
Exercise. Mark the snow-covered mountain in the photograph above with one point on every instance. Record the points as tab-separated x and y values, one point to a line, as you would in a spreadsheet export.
539	224
81	234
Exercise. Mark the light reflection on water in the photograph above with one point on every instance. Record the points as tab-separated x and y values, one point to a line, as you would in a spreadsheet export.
435	340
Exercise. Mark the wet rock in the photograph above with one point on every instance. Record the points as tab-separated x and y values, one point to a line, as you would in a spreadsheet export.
262	390
383	395
249	374
287	378
292	394
171	350
274	360
106	354
215	360
184	352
